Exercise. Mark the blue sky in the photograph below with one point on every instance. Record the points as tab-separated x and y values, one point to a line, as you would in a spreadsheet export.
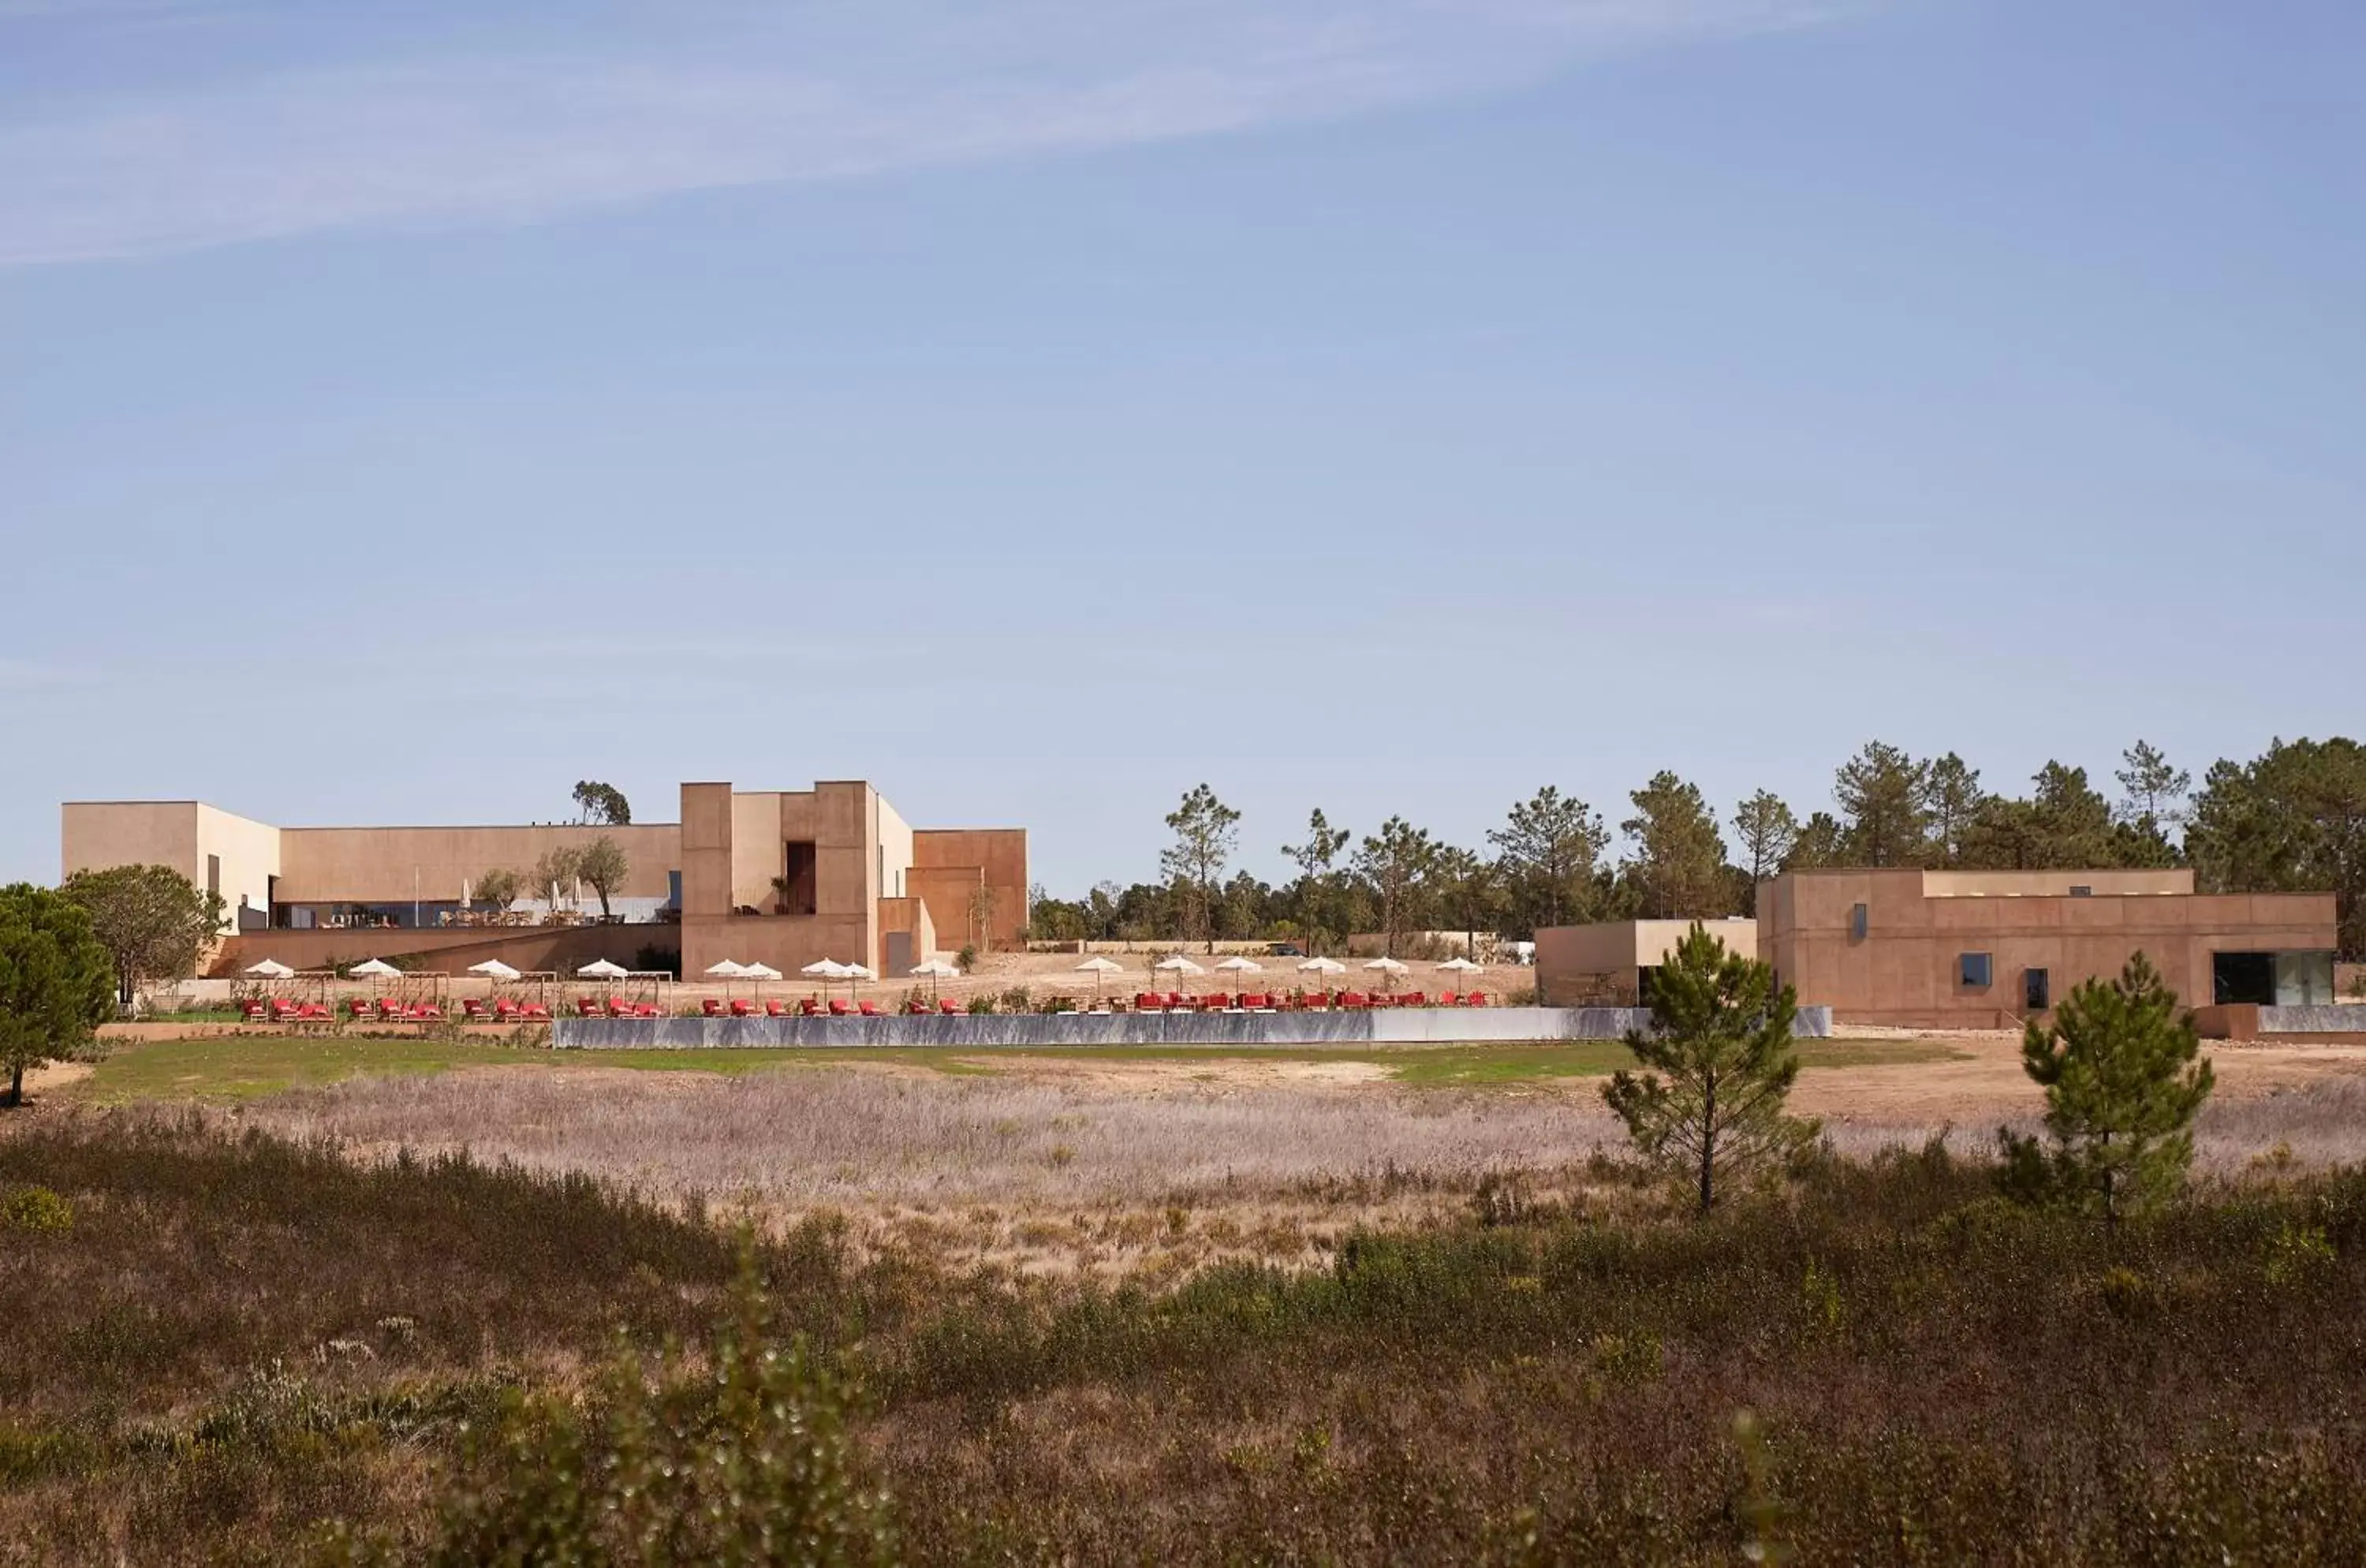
1389	405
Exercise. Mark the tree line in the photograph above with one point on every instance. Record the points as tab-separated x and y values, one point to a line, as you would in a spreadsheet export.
2292	819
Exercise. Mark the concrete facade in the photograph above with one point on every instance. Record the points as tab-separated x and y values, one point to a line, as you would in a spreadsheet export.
1604	964
851	874
1891	947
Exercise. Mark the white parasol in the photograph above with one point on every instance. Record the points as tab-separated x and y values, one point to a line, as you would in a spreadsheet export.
494	969
270	969
601	969
1097	966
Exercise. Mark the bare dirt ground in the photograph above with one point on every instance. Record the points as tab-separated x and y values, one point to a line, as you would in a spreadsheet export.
1046	1164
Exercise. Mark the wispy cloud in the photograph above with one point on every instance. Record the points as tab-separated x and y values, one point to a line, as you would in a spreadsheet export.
530	130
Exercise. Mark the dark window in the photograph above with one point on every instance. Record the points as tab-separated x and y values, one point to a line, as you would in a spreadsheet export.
2080	890
1856	921
213	874
1977	970
2238	977
2036	990
800	868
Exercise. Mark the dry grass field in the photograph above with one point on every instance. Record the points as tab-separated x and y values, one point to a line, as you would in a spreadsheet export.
1355	1305
1121	1163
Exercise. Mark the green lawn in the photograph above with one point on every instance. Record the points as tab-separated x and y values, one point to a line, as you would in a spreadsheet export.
243	1067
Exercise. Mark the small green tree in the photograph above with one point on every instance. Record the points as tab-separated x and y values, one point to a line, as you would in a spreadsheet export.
500	887
1721	1036
558	869
602	804
1397	864
153	921
605	866
57	981
2122	1085
1206	831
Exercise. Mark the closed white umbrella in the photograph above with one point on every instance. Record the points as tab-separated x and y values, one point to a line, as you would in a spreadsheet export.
270	969
601	969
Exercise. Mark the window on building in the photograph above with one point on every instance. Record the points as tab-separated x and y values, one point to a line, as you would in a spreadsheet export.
2236	978
800	892
1858	921
2304	979
1975	970
2036	990
2081	890
213	874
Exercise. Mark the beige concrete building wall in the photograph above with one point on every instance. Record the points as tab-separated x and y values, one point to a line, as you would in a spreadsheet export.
96	834
998	858
758	848
892	837
2053	883
1602	964
246	855
705	851
1907	971
392	865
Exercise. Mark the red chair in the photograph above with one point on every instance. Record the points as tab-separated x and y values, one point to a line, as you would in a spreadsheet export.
1477	998
356	1008
739	1008
316	1012
427	1012
838	1009
774	1009
586	1007
388	1012
809	1007
504	1010
1148	1001
472	1010
948	1005
535	1012
711	1008
1450	1000
253	1012
868	1010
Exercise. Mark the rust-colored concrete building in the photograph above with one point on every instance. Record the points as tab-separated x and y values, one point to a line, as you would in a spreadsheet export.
1944	949
855	883
1609	964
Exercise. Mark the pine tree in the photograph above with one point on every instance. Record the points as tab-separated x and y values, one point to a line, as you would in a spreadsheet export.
2122	1088
1721	1035
1677	868
1885	795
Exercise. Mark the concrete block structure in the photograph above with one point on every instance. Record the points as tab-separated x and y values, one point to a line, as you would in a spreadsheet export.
783	877
1609	964
1956	949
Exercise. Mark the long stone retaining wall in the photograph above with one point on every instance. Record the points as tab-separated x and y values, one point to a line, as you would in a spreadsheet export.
1404	1026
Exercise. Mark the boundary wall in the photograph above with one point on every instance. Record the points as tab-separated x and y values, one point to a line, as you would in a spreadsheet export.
1385	1026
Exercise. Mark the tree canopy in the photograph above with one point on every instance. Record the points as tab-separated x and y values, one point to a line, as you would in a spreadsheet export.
2122	1090
1206	831
1718	1067
57	981
1676	868
603	866
153	921
602	805
1549	848
2292	820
